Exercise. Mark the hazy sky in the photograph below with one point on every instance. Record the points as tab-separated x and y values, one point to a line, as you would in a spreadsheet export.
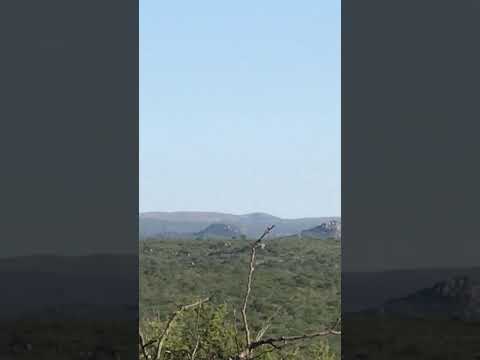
240	106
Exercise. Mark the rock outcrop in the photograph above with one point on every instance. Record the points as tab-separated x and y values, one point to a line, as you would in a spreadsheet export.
456	298
327	230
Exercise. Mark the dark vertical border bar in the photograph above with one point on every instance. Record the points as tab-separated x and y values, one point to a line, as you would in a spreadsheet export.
69	178
410	281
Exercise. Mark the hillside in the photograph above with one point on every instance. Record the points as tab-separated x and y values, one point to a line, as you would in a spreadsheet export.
219	231
407	326
326	230
457	298
176	224
365	290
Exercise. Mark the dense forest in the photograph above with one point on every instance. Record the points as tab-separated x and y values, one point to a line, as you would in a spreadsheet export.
192	293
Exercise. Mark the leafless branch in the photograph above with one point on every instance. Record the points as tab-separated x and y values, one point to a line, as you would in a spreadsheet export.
276	343
249	284
161	341
267	325
143	346
284	339
197	330
236	330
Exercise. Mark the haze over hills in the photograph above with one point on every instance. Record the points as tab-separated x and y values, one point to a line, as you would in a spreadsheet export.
220	231
176	224
454	298
362	291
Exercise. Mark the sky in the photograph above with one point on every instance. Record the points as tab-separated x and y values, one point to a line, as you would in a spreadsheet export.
240	107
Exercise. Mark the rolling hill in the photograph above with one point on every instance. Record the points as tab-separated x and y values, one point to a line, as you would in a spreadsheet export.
219	231
457	298
367	290
176	224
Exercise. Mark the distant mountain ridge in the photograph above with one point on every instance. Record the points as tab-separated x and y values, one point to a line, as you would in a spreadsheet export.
176	224
455	298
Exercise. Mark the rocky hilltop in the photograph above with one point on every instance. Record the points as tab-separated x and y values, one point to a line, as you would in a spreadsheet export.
456	298
327	230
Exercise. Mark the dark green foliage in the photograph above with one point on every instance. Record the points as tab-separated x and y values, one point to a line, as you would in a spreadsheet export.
296	279
393	338
66	339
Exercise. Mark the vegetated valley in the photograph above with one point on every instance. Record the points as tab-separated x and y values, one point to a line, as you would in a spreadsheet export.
295	291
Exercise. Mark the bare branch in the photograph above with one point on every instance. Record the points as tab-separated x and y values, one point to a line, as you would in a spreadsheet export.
267	325
265	233
197	330
249	284
276	343
143	346
284	339
236	331
166	331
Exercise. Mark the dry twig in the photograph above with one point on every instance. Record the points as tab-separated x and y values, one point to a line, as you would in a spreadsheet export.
274	342
197	330
253	251
161	341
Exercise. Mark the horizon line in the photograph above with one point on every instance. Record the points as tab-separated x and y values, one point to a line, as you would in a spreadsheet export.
236	214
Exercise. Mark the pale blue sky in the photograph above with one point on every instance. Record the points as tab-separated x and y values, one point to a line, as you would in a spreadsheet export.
240	106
